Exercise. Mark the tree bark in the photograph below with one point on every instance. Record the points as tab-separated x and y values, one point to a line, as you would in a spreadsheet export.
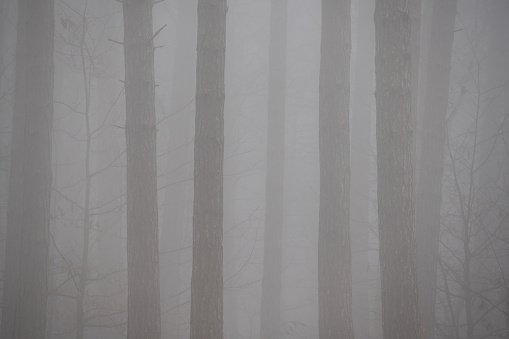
400	318
334	256
431	161
274	184
207	273
144	318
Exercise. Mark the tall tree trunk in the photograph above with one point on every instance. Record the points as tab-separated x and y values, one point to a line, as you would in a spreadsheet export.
29	206
334	254
428	195
400	318
362	108
15	198
274	184
179	167
144	318
207	274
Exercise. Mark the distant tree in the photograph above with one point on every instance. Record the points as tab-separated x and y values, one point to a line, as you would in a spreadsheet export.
30	188
334	254
430	163
274	183
472	292
75	275
144	318
400	316
207	272
361	161
177	195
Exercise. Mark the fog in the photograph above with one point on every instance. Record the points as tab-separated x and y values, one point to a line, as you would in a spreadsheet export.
417	243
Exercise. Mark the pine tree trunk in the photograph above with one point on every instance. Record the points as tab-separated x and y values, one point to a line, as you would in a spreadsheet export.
15	197
178	194
362	111
144	316
274	184
36	101
334	254
400	318
207	274
428	195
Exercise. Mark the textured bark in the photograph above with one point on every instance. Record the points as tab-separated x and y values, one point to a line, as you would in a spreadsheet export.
400	318
334	266
207	274
274	184
29	201
362	111
428	195
144	316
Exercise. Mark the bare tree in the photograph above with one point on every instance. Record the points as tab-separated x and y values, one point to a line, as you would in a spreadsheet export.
400	317
334	254
207	276
144	318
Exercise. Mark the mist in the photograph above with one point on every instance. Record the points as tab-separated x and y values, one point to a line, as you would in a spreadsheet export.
254	169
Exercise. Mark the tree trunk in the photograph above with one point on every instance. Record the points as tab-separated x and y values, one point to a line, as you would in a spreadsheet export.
144	316
274	184
15	197
207	274
428	195
334	266
400	318
177	196
29	206
362	109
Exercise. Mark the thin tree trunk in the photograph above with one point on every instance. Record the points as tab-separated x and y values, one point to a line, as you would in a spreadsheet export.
179	166
207	274
144	318
274	184
431	160
362	109
334	254
400	318
15	197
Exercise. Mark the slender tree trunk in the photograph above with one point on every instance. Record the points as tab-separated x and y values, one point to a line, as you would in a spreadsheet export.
334	266
207	275
15	197
179	166
362	109
431	161
274	184
144	318
400	318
